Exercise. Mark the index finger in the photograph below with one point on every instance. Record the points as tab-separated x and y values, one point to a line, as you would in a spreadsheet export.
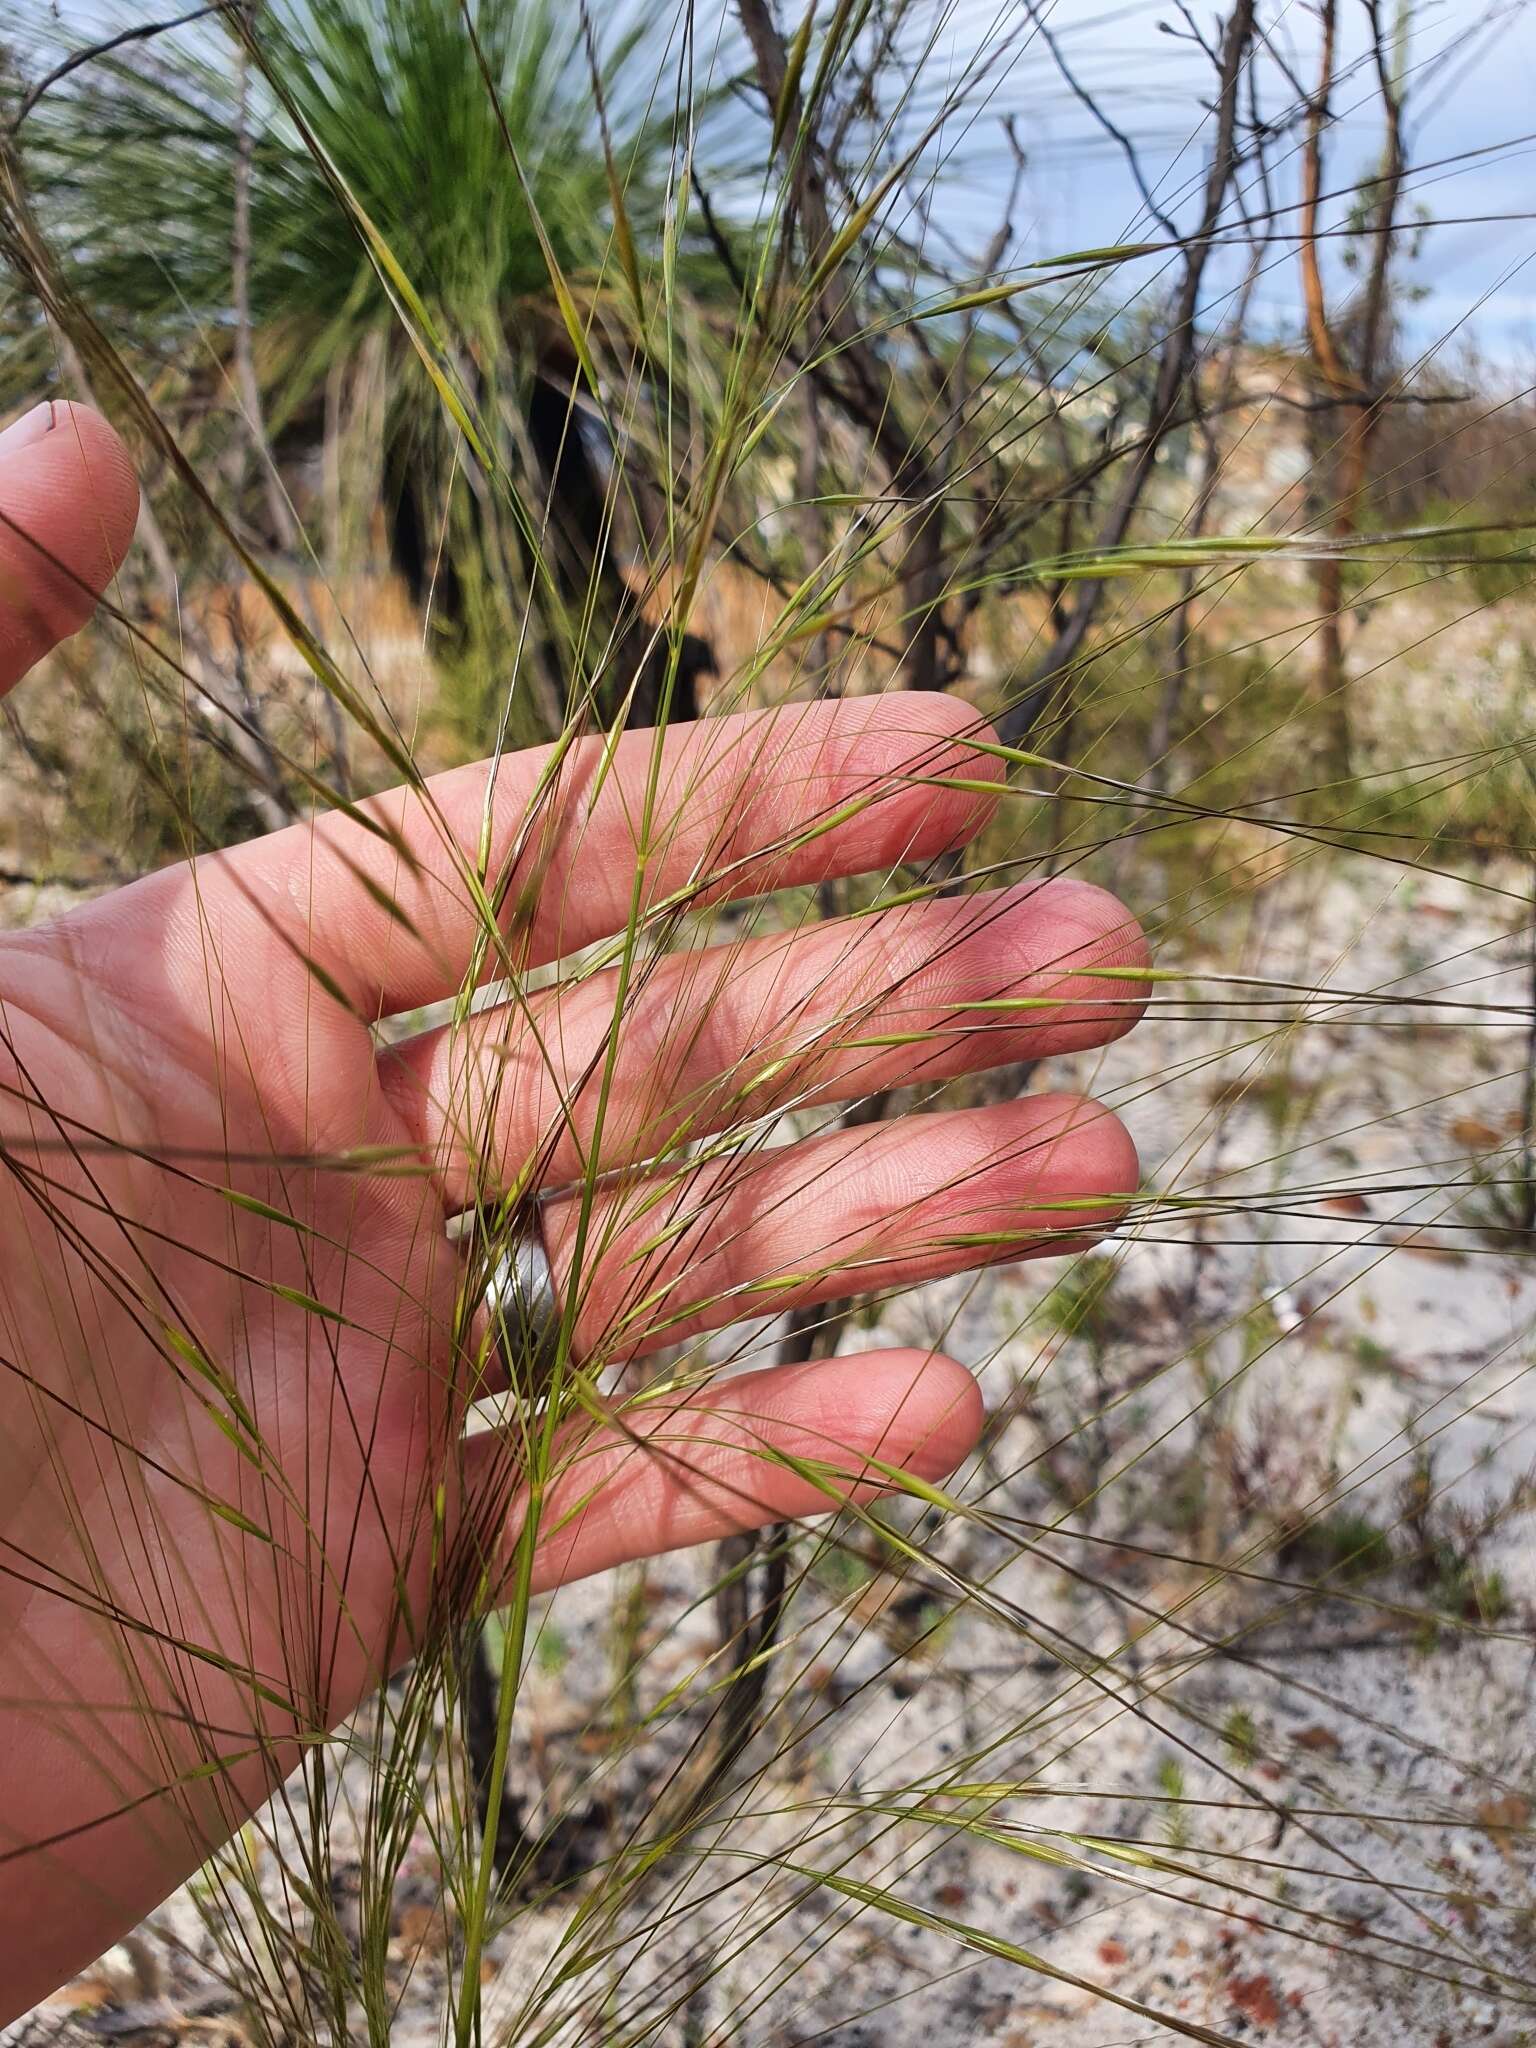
68	502
733	807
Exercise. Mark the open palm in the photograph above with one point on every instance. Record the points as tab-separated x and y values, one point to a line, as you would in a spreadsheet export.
235	1485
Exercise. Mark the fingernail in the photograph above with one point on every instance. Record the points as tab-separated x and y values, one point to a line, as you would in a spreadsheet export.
29	428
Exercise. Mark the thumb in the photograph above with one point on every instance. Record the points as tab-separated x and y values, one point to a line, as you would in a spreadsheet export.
68	503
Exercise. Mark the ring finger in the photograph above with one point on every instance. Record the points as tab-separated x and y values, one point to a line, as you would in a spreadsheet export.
663	1257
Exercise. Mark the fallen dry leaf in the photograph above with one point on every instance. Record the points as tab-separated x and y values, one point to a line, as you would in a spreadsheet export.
1502	1819
423	1925
1475	1135
1255	1997
1318	1739
1420	1245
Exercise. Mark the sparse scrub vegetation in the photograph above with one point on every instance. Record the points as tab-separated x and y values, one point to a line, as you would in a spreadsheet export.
505	372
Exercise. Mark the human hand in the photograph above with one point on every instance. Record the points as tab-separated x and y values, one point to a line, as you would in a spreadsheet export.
235	1487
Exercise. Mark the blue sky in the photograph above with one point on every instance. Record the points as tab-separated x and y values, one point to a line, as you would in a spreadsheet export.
1471	88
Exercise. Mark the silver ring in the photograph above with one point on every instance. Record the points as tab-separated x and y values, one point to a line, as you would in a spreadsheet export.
523	1307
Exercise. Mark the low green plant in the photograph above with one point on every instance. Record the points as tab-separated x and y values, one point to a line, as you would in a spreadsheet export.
616	343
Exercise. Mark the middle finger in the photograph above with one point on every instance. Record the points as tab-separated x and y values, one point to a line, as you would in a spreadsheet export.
924	992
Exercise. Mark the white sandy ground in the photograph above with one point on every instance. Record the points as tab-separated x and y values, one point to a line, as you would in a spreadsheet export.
1378	1809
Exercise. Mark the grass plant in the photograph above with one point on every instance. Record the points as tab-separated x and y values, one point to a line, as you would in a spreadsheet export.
659	362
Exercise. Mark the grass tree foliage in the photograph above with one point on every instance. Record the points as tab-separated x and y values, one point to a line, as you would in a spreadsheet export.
223	188
590	327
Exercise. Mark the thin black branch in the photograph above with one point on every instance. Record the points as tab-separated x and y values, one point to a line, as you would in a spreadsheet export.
1117	135
1174	369
141	34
